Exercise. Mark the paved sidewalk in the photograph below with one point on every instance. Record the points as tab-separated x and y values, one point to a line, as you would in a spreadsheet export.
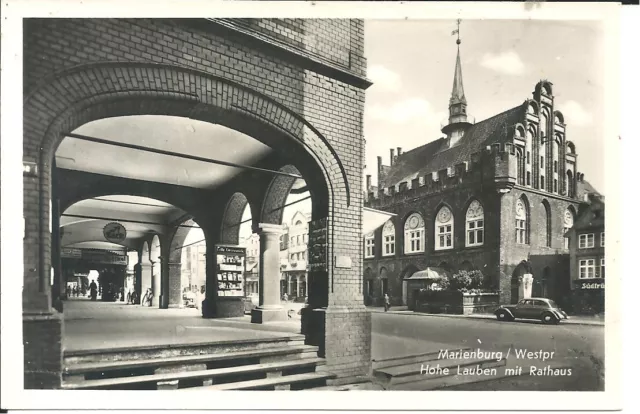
573	320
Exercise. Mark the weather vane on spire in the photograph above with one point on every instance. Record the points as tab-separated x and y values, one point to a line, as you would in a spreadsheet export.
457	31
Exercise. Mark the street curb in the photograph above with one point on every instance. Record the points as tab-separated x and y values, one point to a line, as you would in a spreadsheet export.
444	315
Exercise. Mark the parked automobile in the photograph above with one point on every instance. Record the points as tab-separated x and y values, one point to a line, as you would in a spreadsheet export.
542	309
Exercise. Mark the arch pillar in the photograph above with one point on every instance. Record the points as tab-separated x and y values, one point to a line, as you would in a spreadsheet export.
269	309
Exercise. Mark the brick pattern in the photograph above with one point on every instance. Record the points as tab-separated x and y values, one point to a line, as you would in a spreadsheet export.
79	70
230	231
42	338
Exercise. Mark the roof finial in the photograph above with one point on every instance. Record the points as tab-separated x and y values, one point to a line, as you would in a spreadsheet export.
457	31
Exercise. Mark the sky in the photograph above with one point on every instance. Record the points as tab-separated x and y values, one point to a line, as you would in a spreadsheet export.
412	63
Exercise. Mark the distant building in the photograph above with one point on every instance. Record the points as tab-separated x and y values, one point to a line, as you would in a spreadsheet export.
496	196
587	244
293	257
252	268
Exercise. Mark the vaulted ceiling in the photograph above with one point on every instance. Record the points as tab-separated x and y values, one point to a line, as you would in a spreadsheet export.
82	224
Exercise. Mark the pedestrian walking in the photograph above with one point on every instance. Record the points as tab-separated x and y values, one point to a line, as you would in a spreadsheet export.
387	302
285	297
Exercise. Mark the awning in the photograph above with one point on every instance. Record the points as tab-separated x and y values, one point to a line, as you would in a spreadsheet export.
430	273
372	219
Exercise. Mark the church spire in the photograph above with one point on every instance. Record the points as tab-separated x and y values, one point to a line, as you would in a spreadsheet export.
458	121
457	94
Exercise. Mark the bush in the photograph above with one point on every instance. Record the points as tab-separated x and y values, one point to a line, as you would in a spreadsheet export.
467	281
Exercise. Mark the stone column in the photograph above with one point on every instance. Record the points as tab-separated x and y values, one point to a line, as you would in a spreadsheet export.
270	308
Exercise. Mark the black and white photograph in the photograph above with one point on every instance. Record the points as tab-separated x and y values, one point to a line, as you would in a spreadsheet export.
230	201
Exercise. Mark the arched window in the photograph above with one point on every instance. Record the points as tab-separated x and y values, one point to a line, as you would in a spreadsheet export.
568	224
444	229
522	222
555	149
545	225
414	234
528	151
369	244
521	166
475	224
570	185
388	239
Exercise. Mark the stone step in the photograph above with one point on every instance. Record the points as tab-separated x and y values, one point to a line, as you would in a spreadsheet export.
409	359
351	384
171	380
173	350
287	382
394	376
246	357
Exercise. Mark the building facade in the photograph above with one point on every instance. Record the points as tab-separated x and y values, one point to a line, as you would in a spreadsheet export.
293	257
587	251
496	196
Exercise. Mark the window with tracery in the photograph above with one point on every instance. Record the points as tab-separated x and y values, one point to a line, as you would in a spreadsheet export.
475	224
389	239
522	233
414	234
444	229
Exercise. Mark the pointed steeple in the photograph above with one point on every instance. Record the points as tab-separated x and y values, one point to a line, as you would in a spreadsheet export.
457	94
458	122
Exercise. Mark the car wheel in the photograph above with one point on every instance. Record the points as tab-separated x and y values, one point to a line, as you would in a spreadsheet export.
503	316
549	319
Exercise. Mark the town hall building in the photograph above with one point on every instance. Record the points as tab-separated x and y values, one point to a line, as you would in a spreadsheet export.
497	196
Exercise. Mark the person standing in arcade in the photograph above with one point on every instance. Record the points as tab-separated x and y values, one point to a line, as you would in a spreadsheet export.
94	290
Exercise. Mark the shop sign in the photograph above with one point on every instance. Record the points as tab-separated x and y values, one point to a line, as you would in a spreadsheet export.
69	253
597	284
114	232
104	257
231	250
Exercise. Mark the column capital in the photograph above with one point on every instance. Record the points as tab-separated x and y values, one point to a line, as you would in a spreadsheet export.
268	228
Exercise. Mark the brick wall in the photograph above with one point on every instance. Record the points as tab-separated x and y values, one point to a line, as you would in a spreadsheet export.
79	70
536	251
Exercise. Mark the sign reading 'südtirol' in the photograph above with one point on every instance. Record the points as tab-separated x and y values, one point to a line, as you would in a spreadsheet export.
114	232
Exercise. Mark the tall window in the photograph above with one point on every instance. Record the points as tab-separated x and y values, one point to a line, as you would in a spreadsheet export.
555	185
587	241
414	234
475	224
542	182
568	223
570	186
444	229
520	164
369	244
528	177
545	226
587	268
602	239
522	234
388	239
602	267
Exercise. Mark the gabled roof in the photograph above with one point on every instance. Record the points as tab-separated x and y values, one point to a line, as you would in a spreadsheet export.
584	188
591	215
435	155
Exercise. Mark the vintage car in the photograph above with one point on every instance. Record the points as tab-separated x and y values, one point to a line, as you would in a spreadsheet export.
542	309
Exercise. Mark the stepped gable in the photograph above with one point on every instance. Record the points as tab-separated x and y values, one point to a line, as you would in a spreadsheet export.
435	155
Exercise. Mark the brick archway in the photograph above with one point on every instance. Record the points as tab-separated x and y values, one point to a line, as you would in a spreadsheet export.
174	264
232	218
111	89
